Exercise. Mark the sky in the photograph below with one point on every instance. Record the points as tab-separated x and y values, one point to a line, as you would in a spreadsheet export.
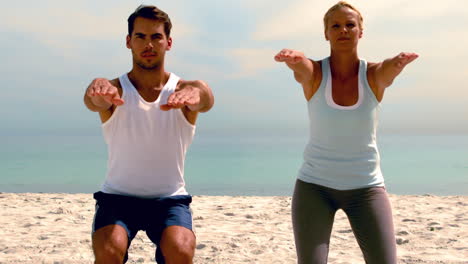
51	50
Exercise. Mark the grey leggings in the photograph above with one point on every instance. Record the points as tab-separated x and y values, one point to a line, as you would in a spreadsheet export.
368	211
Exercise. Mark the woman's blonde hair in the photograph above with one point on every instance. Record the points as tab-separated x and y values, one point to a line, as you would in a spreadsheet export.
341	4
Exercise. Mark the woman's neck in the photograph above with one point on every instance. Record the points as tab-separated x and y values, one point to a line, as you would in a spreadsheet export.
344	66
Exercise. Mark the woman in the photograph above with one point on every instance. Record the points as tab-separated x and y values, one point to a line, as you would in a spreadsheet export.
341	168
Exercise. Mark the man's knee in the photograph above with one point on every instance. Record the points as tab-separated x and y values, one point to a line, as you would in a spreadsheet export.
109	254
180	253
110	244
178	245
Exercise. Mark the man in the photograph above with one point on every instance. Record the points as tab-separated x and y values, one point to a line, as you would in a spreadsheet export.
148	120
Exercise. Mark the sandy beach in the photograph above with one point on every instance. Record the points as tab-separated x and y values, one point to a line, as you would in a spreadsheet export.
55	228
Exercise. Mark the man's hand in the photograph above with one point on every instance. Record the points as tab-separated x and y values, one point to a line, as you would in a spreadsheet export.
103	94
187	94
289	56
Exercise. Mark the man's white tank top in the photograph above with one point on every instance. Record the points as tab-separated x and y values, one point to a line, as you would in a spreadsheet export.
146	146
342	151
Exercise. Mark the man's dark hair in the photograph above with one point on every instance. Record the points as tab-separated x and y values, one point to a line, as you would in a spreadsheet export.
151	12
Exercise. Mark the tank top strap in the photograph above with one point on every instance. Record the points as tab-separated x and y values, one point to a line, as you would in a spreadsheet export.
325	65
172	82
363	73
367	90
127	91
169	88
325	68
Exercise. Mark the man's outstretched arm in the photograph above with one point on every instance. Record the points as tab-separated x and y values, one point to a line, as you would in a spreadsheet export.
101	94
194	95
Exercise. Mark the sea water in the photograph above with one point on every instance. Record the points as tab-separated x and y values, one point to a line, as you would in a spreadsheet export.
217	164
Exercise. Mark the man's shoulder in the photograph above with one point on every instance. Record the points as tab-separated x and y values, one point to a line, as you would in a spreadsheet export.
116	82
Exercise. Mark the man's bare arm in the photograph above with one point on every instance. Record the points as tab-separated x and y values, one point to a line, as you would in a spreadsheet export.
194	95
101	94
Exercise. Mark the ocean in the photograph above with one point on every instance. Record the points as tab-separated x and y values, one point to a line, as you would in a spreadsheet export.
232	165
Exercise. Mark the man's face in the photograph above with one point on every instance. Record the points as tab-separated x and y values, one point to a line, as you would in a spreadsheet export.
148	43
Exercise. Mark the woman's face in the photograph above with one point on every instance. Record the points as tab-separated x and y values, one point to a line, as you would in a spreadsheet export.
343	30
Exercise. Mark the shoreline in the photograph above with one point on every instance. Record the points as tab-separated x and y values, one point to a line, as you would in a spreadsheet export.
55	228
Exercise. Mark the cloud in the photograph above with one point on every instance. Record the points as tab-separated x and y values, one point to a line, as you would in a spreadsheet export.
64	28
231	46
304	17
289	21
194	70
61	22
251	62
422	9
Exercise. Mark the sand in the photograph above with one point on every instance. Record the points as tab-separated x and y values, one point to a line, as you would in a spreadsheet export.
55	228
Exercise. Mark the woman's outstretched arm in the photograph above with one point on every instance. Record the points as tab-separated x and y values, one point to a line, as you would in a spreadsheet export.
381	75
305	70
